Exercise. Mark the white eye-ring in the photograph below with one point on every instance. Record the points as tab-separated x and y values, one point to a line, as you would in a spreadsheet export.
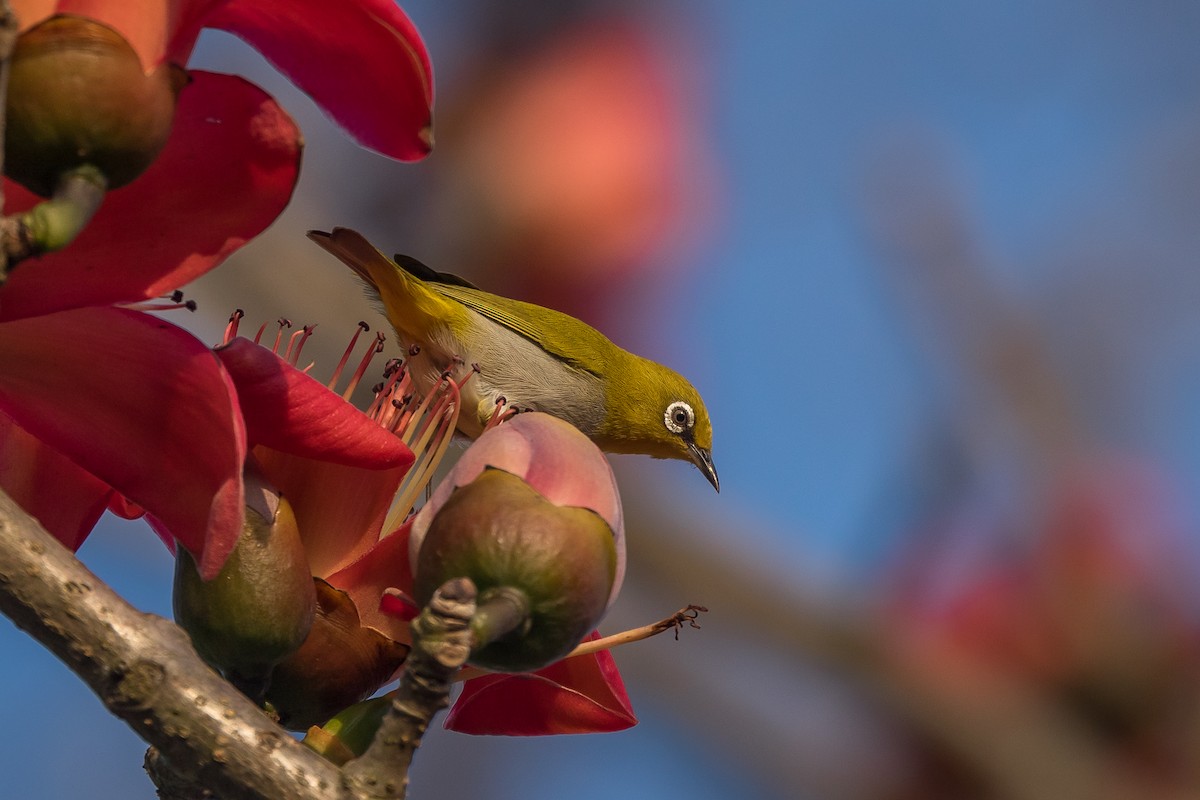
679	417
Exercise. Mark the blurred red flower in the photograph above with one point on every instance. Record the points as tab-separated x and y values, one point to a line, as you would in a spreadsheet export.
577	164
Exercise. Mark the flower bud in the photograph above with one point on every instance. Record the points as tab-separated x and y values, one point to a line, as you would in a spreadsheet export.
550	455
556	564
261	604
340	663
77	95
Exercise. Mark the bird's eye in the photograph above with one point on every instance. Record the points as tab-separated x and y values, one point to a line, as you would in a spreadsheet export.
679	417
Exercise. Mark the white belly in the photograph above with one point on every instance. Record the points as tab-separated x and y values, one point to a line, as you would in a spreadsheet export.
512	367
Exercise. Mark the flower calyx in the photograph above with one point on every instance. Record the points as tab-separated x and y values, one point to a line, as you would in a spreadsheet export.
260	606
79	97
544	572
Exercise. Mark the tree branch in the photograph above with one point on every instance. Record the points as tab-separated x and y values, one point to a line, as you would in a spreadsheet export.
145	671
442	641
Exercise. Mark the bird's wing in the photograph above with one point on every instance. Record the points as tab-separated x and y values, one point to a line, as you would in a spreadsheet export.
419	269
562	336
411	304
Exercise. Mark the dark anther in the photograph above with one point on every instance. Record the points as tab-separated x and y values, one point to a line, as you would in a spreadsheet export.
397	404
377	388
190	305
476	368
406	399
284	322
177	296
501	400
237	314
413	349
364	325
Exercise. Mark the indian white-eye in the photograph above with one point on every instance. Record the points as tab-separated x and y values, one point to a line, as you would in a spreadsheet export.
530	357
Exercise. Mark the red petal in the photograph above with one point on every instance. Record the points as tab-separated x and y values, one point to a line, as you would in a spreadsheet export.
576	695
122	507
289	411
67	500
362	61
339	509
141	405
225	175
385	566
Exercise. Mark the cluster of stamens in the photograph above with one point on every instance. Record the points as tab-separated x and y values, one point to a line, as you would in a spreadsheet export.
424	422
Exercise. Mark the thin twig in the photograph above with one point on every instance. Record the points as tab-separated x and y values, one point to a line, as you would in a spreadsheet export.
684	616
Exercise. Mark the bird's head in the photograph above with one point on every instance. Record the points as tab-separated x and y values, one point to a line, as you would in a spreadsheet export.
655	411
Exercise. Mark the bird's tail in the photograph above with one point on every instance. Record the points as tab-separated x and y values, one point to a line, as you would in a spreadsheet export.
412	308
353	250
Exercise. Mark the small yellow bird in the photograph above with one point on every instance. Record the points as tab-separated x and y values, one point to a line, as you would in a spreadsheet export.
530	357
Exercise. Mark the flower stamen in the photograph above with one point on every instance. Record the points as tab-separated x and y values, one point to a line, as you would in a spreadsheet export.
426	426
396	380
337	372
283	323
166	302
376	347
504	411
435	421
232	328
302	334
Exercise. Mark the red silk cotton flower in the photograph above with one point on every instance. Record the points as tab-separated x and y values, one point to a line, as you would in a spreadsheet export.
232	159
141	410
117	398
581	694
360	60
342	470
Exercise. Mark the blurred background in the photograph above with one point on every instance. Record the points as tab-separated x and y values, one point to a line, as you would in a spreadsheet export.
933	267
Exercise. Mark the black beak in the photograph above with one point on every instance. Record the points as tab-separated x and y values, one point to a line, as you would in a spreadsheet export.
703	461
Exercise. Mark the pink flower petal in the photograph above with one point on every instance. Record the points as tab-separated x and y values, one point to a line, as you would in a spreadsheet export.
550	455
65	499
575	695
363	62
289	411
554	458
141	405
226	173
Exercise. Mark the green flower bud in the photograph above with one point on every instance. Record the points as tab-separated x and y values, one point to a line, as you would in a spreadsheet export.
260	606
340	663
77	95
557	564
